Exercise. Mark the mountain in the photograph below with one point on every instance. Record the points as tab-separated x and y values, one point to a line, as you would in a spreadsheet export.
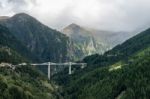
92	41
45	43
23	82
121	73
84	40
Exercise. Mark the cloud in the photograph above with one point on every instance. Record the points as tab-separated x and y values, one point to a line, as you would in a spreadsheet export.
113	15
0	5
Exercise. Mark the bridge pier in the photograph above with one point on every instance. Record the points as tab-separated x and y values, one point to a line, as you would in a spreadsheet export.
83	65
49	70
70	68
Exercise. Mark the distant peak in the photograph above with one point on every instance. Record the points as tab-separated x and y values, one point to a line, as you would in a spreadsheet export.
73	25
4	17
22	15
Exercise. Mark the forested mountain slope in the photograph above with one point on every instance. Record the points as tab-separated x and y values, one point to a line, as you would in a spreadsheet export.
23	82
121	80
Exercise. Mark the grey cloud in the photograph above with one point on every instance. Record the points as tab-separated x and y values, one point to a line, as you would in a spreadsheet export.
1	5
17	5
115	15
16	1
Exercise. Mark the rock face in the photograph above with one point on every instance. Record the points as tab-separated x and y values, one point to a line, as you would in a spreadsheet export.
84	40
45	43
92	41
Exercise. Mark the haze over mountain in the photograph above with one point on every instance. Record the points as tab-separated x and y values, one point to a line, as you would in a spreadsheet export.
92	41
109	37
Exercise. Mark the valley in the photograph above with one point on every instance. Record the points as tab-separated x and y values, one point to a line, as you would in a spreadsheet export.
81	63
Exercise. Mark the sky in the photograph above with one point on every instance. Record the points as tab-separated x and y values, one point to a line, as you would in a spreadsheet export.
111	15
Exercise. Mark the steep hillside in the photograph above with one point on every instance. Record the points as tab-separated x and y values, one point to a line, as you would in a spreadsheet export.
47	44
11	50
25	83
